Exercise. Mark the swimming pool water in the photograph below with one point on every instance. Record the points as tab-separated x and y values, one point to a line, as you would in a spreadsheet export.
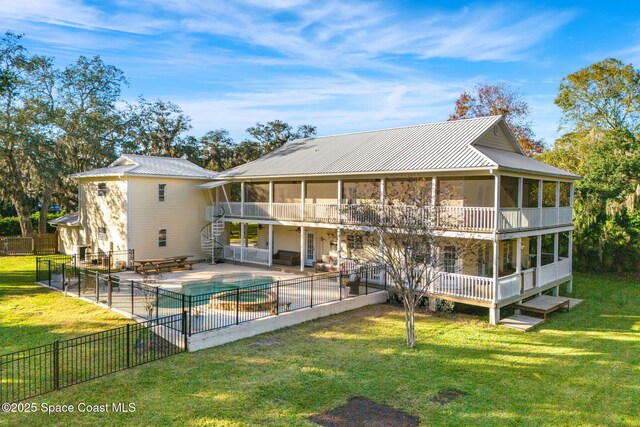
224	283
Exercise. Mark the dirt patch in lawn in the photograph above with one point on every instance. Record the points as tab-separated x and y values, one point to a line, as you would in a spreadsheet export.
447	395
360	411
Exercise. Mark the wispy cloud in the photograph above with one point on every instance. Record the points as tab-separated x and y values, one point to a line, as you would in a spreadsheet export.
339	65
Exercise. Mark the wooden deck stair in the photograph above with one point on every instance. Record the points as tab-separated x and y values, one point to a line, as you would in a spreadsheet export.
544	305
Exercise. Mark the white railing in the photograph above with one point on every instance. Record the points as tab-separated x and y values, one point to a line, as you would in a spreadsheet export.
565	215
232	252
463	286
508	286
549	217
467	218
256	210
564	268
528	279
321	212
246	254
287	211
361	214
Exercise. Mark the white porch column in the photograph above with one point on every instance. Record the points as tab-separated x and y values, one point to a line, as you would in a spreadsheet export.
303	255
242	242
519	261
270	244
540	187
519	202
496	267
339	248
303	195
570	284
271	199
496	203
242	199
339	202
538	258
571	195
494	315
382	208
434	200
557	203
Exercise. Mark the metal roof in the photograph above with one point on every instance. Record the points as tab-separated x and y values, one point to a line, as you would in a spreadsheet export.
517	162
140	165
442	146
70	220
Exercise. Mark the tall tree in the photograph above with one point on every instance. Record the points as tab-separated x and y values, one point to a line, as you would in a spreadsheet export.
217	150
600	103
18	130
157	128
92	127
499	99
276	133
604	95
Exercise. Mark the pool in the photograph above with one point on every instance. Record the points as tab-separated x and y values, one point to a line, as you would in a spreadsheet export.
218	284
224	283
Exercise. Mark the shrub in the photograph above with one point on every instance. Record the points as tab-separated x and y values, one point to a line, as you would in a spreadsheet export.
10	226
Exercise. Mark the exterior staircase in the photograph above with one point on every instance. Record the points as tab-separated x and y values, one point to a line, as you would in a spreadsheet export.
209	235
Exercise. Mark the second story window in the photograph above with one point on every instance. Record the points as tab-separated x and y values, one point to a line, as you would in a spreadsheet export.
162	188
102	189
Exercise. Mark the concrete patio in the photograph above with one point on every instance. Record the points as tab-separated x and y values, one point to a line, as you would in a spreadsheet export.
203	271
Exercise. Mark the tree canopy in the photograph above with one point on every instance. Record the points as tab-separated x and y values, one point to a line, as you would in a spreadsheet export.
499	99
600	103
56	122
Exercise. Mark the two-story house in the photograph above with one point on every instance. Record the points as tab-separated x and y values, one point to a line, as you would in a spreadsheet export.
303	196
149	204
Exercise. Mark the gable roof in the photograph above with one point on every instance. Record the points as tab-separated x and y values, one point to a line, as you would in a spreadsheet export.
140	165
434	147
70	220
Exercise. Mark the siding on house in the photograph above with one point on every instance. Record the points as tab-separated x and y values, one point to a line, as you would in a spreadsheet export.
498	141
108	211
182	214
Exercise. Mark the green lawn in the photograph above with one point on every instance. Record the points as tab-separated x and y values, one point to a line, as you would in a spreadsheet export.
580	368
32	315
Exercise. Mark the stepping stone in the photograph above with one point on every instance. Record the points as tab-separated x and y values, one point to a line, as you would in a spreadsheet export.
521	322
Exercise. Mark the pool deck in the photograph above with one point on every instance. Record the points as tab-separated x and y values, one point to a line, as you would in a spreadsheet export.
203	271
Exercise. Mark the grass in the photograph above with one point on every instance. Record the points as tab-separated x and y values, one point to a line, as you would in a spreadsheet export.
31	315
252	233
579	368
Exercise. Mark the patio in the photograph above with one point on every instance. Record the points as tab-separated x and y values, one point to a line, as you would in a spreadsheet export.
203	271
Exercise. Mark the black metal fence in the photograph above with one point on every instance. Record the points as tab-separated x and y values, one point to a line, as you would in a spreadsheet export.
35	371
168	319
211	311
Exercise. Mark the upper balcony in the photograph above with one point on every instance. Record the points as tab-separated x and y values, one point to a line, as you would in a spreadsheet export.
460	204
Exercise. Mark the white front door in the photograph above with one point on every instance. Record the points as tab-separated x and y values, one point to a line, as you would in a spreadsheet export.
310	251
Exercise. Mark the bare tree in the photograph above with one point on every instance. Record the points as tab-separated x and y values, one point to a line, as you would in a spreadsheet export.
403	235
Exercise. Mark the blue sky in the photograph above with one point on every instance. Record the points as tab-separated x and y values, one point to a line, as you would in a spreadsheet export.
342	66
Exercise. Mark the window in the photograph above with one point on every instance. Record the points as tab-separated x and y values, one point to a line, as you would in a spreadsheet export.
508	192
485	266
161	191
162	237
354	241
451	259
565	194
102	189
548	194
548	248
529	193
563	245
102	233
